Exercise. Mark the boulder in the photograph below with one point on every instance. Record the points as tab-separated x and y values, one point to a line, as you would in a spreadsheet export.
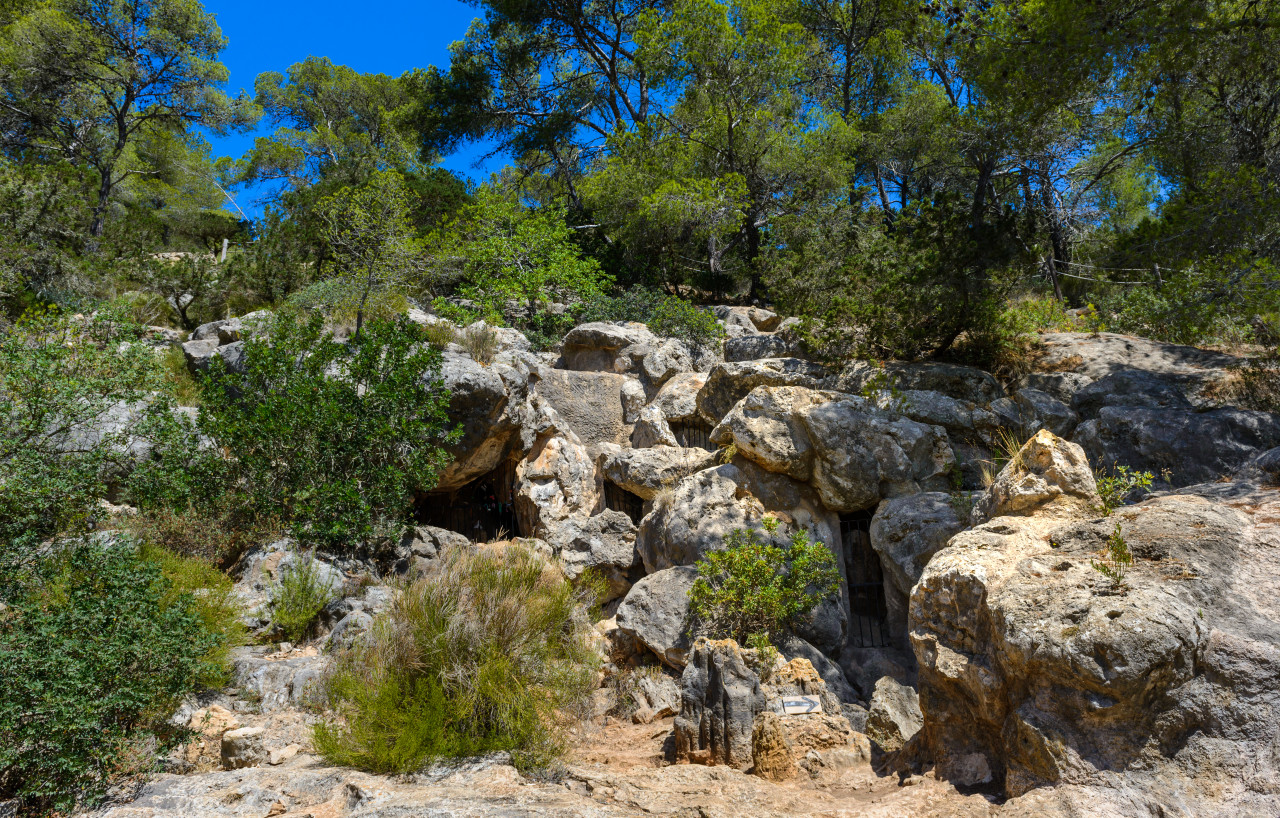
757	347
1130	388
863	454
736	320
766	428
557	480
799	677
964	420
656	612
906	532
591	404
661	694
894	716
678	397
604	544
1164	692
423	543
1048	476
1066	362
720	697
960	382
729	383
1262	469
490	405
771	754
242	747
648	472
652	429
625	348
1030	410
199	353
277	683
1192	447
794	648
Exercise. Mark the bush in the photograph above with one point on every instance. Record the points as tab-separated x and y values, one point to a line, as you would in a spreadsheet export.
299	595
480	342
333	438
665	315
1116	488
1115	560
761	585
96	647
489	651
61	379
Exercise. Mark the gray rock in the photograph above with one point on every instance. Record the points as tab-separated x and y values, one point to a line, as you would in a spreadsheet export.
729	383
652	429
1129	388
199	353
767	429
426	541
720	697
793	647
757	347
592	404
1044	412
279	683
736	320
633	400
1061	386
243	748
656	612
604	544
607	346
678	397
1194	447
1048	476
1263	469
955	381
963	419
863	454
906	532
661	694
648	472
558	479
894	716
490	405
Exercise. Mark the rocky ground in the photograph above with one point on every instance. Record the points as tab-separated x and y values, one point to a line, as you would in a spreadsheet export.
1018	680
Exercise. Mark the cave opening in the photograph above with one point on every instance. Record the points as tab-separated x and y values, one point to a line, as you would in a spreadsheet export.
692	435
868	611
617	498
482	510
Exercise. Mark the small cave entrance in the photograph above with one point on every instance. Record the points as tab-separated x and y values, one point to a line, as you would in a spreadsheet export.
482	510
617	498
693	435
868	611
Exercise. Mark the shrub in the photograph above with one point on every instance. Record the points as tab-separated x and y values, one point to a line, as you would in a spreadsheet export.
489	651
1115	560
96	647
334	438
299	595
1115	488
761	585
665	315
440	334
480	342
61	379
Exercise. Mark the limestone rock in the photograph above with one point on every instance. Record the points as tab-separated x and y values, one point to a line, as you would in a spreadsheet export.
729	383
557	479
678	397
489	403
593	405
758	347
1030	410
425	542
661	694
652	429
604	544
894	716
771	753
1194	447
242	747
647	472
720	697
1049	475
964	420
793	648
1129	388
656	612
799	677
1165	695
959	382
862	454
1263	469
765	427
907	531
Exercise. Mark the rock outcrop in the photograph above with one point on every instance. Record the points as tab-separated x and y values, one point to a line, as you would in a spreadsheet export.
604	544
1048	476
656	613
720	697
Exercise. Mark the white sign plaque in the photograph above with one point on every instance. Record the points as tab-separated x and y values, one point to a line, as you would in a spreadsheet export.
800	705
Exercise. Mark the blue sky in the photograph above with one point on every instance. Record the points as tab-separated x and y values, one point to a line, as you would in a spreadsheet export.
384	36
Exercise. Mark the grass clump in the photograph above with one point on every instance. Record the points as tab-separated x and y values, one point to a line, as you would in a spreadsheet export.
488	651
97	644
481	343
299	595
761	584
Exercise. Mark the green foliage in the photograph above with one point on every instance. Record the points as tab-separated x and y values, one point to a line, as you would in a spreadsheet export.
490	650
96	647
511	264
883	391
1116	488
63	383
299	595
666	315
758	584
1115	560
330	437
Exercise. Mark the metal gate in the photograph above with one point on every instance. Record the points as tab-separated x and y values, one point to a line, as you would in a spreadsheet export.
619	499
868	614
483	510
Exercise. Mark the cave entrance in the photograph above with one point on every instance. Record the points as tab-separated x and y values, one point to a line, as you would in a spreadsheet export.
482	510
617	498
868	613
693	435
